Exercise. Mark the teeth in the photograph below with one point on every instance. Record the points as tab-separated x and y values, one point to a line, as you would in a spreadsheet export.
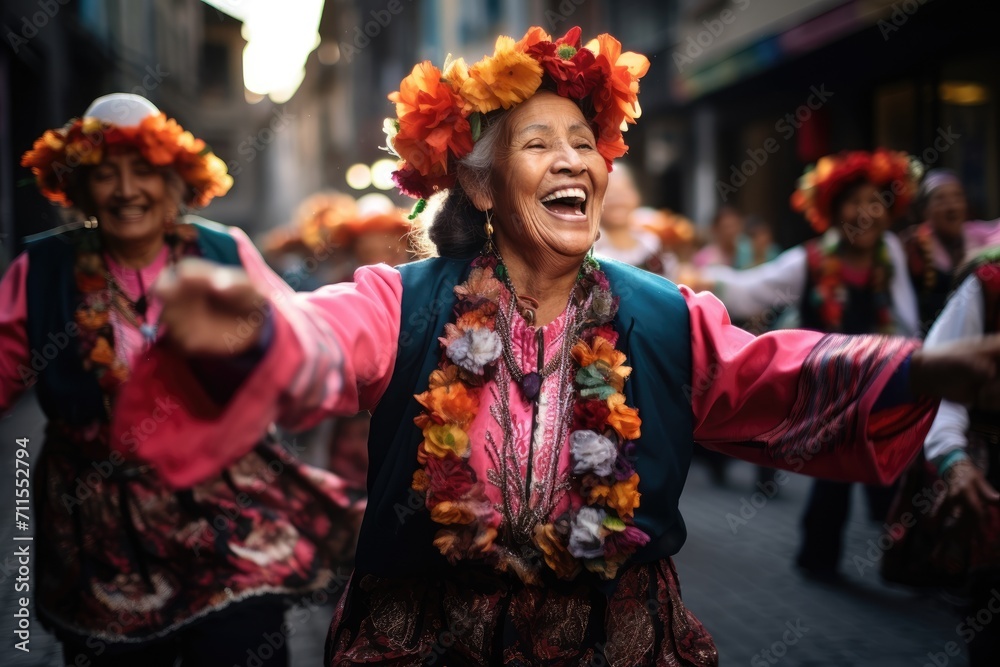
568	193
131	211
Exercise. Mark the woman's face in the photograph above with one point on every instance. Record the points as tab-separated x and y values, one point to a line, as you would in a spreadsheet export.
621	199
863	217
550	185
946	209
129	196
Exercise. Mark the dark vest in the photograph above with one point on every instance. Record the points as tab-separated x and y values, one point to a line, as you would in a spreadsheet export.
65	390
860	311
653	324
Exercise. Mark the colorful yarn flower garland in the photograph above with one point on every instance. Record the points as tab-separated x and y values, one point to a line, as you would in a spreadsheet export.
598	535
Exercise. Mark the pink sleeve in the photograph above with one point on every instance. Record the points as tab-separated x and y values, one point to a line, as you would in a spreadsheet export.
800	400
16	374
332	353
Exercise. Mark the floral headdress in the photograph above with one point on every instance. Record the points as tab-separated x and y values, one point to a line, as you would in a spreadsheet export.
439	115
886	170
160	140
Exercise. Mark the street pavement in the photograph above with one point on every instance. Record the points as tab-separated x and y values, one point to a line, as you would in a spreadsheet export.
735	573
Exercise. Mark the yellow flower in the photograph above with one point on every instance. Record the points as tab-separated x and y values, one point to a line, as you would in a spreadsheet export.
623	419
444	438
449	512
456	73
624	496
506	78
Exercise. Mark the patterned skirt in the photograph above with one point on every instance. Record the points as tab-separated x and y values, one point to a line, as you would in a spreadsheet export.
122	557
478	617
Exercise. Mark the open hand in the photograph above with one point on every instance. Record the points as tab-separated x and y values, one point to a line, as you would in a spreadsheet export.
968	494
209	309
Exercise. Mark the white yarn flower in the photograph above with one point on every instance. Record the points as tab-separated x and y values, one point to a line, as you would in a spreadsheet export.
592	452
474	349
585	540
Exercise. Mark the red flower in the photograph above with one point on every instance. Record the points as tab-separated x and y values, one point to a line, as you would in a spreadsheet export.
590	415
573	68
412	184
625	541
605	331
449	479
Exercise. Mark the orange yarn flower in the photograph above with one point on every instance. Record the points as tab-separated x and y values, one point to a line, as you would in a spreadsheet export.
449	512
506	78
608	360
624	496
430	121
561	561
450	403
623	419
102	352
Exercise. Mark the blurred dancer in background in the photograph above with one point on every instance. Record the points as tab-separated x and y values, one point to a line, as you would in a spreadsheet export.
131	571
851	280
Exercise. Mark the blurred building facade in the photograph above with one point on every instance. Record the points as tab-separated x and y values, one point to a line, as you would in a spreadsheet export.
740	95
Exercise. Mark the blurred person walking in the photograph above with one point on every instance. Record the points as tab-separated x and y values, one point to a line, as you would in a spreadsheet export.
129	570
620	238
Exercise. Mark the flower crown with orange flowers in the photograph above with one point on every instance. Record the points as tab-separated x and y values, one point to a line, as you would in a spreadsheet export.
160	140
886	170
440	115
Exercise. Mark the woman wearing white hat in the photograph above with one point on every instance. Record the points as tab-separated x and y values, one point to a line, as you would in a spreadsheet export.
129	571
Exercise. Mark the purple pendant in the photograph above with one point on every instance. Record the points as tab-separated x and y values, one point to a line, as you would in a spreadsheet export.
530	385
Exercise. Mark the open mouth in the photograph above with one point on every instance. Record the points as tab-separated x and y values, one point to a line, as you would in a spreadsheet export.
129	213
569	203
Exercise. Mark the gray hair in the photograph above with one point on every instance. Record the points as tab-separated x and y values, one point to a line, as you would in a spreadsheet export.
452	226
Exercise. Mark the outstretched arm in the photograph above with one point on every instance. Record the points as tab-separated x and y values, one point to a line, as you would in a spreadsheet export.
804	401
331	352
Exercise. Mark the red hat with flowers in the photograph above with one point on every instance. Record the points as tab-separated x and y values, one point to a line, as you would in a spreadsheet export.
439	114
894	171
124	119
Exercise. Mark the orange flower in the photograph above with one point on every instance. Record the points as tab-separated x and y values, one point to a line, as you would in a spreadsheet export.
450	403
483	317
91	319
623	419
598	494
624	496
102	352
444	377
561	561
420	481
449	512
430	121
622	74
534	35
480	285
506	78
606	358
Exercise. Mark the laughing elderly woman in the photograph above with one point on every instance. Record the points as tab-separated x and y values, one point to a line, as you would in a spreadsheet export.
534	412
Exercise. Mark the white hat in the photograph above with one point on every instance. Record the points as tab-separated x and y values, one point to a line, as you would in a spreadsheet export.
121	109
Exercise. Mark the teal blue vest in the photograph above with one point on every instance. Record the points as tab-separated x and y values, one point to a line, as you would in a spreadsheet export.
65	390
653	323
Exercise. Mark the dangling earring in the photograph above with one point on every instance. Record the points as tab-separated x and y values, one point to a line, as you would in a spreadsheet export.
488	228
